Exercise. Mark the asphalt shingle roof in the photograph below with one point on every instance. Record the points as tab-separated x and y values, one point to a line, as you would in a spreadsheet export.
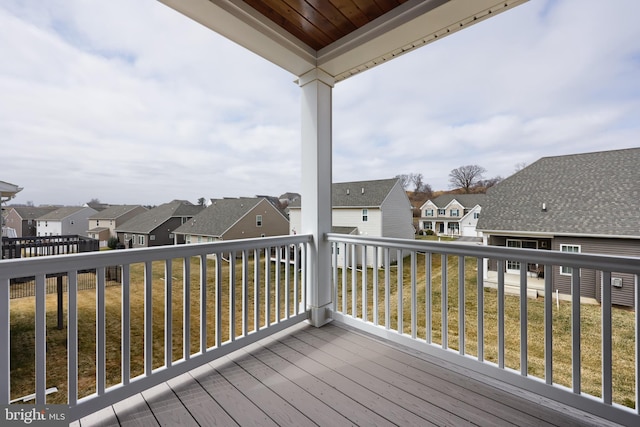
113	212
220	216
147	221
359	194
466	200
584	194
61	213
32	212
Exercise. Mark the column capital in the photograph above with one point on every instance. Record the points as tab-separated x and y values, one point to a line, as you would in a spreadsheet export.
316	74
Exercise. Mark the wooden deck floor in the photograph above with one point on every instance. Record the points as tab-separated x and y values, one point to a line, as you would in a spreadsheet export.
332	376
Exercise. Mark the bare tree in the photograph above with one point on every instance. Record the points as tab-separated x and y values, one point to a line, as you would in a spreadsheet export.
418	185
404	180
519	166
466	177
485	184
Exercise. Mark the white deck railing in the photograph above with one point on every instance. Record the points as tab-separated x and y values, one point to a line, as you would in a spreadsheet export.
246	290
366	298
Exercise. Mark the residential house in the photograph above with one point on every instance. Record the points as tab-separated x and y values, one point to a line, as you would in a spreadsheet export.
377	208
452	214
23	219
228	219
65	221
103	224
155	227
587	203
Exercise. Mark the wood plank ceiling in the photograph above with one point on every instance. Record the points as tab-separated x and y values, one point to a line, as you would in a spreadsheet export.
318	23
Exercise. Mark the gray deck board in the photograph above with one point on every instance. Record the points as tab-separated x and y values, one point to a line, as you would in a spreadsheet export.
204	409
425	398
321	413
334	376
167	408
134	411
450	392
355	412
234	402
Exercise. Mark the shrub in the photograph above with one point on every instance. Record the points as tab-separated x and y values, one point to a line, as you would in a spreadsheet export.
430	233
112	242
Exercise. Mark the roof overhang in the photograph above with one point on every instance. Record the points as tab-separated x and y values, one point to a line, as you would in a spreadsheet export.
550	235
406	27
8	191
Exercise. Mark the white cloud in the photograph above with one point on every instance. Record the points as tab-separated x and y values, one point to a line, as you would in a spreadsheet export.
132	102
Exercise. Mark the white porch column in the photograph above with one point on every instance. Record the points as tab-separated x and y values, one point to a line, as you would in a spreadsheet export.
316	103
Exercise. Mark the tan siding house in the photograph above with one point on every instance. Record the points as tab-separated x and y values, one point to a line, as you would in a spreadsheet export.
103	224
231	219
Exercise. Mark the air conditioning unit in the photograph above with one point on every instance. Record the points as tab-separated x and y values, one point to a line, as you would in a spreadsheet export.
616	282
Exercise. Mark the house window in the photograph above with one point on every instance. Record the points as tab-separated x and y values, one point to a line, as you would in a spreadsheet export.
97	223
442	212
428	212
427	225
454	212
141	240
365	215
258	220
184	219
29	222
568	271
476	215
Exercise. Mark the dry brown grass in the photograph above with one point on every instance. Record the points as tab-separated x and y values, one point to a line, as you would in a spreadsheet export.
23	318
591	343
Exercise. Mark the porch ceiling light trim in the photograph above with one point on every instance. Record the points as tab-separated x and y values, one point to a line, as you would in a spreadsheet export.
404	28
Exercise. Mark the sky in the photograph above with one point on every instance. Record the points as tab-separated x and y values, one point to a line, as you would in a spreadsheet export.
130	102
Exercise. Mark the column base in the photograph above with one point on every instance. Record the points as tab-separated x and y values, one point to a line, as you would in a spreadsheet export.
319	316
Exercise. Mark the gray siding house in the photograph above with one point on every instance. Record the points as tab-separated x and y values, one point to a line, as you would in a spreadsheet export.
65	221
155	227
576	203
378	208
231	219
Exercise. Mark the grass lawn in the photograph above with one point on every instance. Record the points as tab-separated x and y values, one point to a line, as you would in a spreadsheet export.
22	329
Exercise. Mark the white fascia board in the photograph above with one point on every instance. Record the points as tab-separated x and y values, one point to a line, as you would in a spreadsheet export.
243	25
411	25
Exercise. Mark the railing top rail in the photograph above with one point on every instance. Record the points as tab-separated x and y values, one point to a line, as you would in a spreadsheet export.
622	264
25	267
